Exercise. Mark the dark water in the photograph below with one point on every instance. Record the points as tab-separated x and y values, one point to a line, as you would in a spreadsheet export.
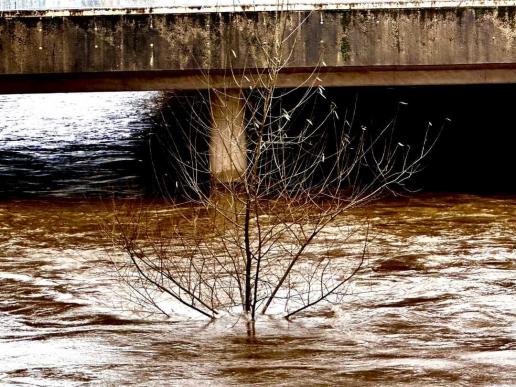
72	144
435	304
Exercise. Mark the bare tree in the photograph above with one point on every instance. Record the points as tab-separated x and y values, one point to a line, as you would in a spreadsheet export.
284	165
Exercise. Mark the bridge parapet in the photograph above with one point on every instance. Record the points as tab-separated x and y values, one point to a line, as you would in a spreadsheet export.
152	48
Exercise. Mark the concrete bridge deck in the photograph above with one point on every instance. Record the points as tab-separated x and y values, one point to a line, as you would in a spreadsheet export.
194	44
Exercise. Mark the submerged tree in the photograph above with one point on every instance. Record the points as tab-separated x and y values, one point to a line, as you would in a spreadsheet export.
262	178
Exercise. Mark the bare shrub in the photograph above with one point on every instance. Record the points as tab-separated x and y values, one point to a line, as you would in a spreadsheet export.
265	232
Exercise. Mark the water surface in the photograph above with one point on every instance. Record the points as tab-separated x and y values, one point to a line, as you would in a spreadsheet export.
73	144
434	305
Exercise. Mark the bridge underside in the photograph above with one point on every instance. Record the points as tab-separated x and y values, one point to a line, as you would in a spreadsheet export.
192	80
329	77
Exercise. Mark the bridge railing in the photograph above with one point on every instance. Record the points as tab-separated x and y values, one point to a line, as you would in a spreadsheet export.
14	5
239	5
9	5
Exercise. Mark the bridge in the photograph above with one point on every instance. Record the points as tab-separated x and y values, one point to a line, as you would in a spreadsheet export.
152	45
193	45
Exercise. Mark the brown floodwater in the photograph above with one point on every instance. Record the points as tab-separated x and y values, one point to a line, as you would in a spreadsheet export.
435	304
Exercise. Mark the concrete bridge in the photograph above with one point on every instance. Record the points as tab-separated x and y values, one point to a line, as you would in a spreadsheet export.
192	46
101	46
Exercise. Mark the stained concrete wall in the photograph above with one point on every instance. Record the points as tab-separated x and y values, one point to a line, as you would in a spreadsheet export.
33	42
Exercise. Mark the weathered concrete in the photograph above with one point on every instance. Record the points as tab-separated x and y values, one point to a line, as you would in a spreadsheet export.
228	146
142	50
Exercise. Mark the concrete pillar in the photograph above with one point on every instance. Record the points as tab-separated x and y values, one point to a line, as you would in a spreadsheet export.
228	144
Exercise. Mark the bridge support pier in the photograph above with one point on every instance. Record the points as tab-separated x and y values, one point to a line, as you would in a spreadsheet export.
228	145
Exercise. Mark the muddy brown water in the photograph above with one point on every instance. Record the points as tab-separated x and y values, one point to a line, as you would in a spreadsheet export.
434	305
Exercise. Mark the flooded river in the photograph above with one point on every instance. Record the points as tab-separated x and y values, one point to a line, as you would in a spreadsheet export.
434	305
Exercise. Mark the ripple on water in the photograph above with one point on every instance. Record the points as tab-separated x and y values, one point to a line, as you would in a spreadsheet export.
71	151
437	308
